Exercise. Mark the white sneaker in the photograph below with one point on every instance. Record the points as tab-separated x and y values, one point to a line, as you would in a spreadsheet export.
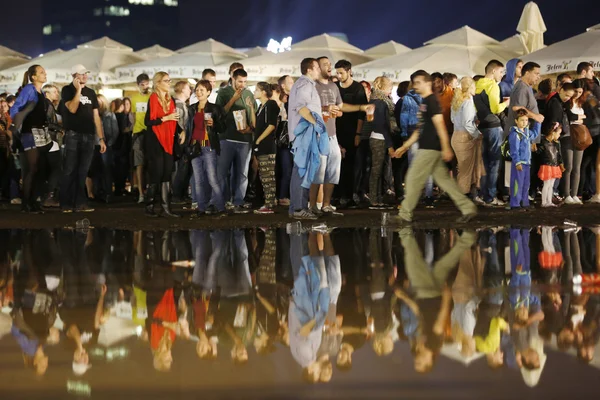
570	201
577	200
141	199
595	199
479	201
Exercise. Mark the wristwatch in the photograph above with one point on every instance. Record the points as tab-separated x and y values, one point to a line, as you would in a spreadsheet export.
101	139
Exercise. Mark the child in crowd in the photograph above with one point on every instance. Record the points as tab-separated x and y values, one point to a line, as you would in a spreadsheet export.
520	139
490	345
552	165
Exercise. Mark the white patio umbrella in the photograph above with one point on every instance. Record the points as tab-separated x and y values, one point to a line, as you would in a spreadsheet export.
464	52
288	63
50	53
188	62
10	58
257	51
565	55
153	52
387	49
515	43
532	27
101	56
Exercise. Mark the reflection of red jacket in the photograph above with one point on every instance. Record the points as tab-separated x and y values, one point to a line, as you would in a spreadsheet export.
445	99
167	312
549	260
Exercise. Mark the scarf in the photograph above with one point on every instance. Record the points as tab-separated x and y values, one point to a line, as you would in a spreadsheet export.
377	94
165	132
167	312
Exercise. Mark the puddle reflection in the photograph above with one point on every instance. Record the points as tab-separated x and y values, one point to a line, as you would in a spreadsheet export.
298	304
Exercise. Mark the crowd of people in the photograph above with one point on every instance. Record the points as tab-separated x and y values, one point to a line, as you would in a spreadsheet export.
495	294
317	145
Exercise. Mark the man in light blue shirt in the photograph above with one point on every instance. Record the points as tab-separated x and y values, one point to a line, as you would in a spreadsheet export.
303	101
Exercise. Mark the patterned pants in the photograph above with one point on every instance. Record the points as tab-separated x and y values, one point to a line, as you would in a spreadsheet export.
266	171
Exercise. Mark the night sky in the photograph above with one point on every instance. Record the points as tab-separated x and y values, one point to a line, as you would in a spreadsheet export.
242	23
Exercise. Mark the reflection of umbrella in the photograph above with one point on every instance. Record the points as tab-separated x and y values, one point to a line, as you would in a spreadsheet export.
452	351
532	27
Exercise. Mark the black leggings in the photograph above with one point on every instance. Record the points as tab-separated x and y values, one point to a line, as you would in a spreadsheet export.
159	163
30	172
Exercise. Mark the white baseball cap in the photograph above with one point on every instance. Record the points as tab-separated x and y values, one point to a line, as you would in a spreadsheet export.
79	69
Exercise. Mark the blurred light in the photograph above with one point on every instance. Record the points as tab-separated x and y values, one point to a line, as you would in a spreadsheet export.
275	47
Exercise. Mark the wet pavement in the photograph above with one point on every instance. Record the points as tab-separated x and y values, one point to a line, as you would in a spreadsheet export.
300	312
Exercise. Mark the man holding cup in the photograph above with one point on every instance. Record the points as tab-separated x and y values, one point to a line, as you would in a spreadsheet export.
236	149
333	107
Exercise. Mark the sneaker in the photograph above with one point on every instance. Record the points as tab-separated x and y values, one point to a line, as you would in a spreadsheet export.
595	199
84	209
51	202
193	207
67	210
429	202
141	199
321	228
247	206
229	205
356	198
569	201
496	203
264	210
549	205
16	201
239	210
577	200
284	202
479	201
330	210
304	215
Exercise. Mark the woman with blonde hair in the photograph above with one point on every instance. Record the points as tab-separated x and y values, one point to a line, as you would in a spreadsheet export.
466	140
161	120
380	139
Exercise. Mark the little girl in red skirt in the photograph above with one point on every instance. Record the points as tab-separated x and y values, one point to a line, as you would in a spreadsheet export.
551	165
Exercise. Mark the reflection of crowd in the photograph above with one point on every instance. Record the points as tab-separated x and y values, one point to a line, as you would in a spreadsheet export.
496	294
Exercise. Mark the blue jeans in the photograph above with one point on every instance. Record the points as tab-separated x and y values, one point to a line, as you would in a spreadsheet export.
285	164
235	155
492	140
79	150
208	188
298	195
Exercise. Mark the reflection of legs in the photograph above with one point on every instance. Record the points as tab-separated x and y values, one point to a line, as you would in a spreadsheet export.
447	263
298	249
575	252
417	270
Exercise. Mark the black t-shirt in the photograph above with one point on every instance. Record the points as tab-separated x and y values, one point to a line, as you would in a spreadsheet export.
267	114
37	117
429	139
430	309
346	125
83	120
83	317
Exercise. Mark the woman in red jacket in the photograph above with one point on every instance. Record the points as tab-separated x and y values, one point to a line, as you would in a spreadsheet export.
161	118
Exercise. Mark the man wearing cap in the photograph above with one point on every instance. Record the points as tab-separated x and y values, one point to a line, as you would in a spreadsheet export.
81	120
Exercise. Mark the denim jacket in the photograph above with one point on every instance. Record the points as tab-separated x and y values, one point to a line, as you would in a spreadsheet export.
311	141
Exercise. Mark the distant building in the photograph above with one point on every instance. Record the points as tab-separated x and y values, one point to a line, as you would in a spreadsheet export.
136	23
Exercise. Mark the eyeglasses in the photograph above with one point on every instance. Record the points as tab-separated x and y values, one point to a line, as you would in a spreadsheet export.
166	80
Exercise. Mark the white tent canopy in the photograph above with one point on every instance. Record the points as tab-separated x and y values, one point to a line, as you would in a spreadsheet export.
565	55
10	58
257	51
100	56
288	63
153	52
515	44
50	53
464	52
387	49
188	62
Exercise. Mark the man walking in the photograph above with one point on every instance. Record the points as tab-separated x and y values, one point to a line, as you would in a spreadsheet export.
434	151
